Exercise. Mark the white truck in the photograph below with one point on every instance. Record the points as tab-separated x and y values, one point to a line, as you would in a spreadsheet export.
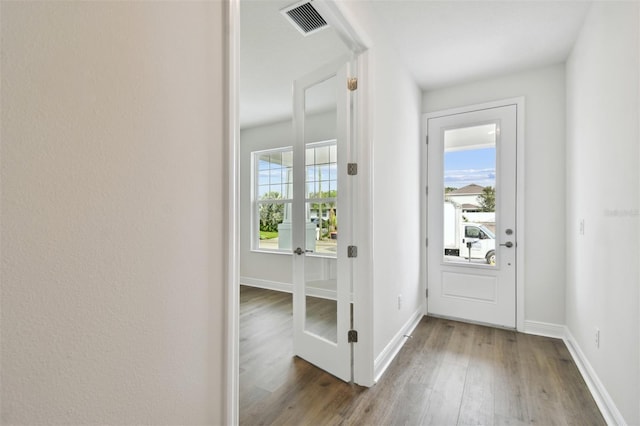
467	239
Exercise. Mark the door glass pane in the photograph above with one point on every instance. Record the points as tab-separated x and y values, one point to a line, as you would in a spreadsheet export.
320	292
469	220
322	234
321	196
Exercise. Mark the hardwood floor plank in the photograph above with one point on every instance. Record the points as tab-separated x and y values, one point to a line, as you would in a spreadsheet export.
448	373
477	407
510	386
446	395
542	394
410	407
571	386
432	344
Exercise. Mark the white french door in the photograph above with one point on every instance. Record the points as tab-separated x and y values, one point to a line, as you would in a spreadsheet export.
471	220
322	220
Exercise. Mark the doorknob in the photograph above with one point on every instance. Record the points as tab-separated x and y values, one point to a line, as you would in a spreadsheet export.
299	251
508	244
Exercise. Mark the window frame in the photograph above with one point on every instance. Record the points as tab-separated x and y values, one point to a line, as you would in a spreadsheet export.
256	201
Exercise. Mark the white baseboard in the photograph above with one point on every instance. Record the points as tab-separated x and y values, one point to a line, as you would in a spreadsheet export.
266	284
604	401
545	329
387	355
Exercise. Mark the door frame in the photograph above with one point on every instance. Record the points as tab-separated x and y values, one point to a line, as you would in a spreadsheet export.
362	355
519	102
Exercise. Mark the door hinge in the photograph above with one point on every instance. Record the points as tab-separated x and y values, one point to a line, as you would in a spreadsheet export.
427	190
352	84
427	137
427	293
352	169
352	251
427	242
352	336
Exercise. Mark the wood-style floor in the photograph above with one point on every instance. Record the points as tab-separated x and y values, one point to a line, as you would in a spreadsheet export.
449	373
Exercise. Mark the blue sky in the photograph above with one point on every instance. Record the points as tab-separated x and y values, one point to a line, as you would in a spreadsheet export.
463	168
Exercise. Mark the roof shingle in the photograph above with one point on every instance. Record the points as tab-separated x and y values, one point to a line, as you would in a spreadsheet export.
472	189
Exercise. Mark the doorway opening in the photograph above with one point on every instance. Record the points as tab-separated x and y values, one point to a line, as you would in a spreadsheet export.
263	216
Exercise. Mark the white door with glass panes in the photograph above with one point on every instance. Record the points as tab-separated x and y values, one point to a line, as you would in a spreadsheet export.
321	219
471	219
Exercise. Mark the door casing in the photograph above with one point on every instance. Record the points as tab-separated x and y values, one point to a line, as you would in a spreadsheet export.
520	197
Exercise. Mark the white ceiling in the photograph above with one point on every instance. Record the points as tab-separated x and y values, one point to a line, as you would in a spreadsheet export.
272	55
449	42
442	43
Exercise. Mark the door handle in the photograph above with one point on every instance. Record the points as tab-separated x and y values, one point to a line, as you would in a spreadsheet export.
299	251
508	244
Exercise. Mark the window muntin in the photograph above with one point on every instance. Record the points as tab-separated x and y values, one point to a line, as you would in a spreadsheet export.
273	197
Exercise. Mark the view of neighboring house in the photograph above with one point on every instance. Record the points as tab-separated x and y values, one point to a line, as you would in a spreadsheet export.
466	197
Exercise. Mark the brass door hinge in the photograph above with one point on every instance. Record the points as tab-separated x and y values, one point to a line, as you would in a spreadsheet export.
352	84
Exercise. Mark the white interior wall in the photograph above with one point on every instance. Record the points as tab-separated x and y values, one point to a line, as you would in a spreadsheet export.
272	267
259	267
603	190
112	212
395	145
396	200
544	93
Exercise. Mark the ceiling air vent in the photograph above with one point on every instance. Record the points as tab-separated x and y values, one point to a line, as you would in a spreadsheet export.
304	17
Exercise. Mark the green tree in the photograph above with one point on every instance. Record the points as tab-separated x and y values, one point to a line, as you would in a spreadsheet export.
487	199
333	221
320	209
271	214
448	190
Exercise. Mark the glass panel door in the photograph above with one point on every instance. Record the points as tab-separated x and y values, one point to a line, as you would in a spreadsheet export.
471	225
322	275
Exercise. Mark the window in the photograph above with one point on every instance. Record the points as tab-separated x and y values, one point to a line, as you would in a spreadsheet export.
472	232
273	197
273	193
